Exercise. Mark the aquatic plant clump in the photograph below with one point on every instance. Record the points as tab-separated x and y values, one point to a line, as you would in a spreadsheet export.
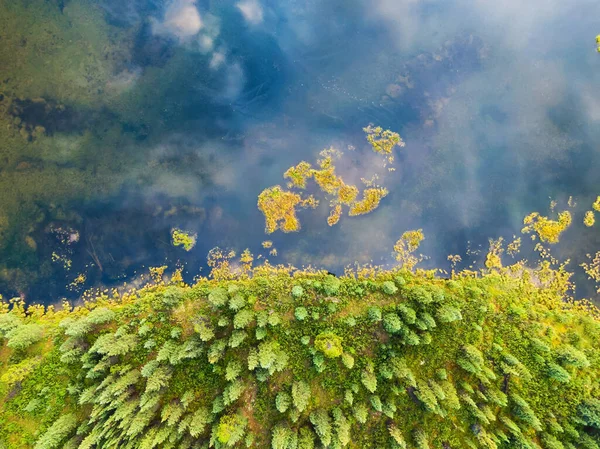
383	141
306	360
279	208
277	204
548	230
183	238
299	174
589	219
370	201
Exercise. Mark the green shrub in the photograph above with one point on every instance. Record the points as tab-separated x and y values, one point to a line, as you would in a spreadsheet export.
361	412
331	285
217	297
470	359
237	338
101	315
550	442
300	313
420	439
369	380
570	356
230	430
392	323
237	302
589	413
448	314
233	370
282	437
523	411
409	316
204	330
8	322
58	432
557	373
306	439
347	360
282	401
322	425
300	395
274	319
24	335
341	426
376	403
389	288
374	314
420	295
243	318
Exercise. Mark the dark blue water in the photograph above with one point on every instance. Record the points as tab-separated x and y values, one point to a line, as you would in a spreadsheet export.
498	103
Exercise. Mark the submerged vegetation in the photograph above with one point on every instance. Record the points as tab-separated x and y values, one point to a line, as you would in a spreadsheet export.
272	357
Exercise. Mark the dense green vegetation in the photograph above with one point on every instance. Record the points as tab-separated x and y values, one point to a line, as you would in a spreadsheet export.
390	359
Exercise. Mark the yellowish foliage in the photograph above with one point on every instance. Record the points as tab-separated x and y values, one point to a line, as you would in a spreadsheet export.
246	260
157	273
371	199
327	156
347	194
77	282
267	244
183	238
383	142
299	174
62	259
592	269
548	230
404	248
220	263
327	180
16	373
589	219
279	209
279	206
310	201
454	259
494	255
334	215
177	276
247	257
596	205
514	247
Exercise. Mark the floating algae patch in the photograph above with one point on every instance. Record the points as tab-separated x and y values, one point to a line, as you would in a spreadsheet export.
56	61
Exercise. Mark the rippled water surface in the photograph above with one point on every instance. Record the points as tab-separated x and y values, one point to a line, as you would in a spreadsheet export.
120	120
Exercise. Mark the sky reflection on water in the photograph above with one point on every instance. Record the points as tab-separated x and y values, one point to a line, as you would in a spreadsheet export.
497	102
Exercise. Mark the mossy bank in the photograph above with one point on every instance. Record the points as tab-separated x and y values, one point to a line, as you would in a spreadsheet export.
306	360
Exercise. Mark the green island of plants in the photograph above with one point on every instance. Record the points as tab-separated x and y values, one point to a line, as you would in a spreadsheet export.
288	359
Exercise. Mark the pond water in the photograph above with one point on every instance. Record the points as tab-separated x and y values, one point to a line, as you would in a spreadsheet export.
120	121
